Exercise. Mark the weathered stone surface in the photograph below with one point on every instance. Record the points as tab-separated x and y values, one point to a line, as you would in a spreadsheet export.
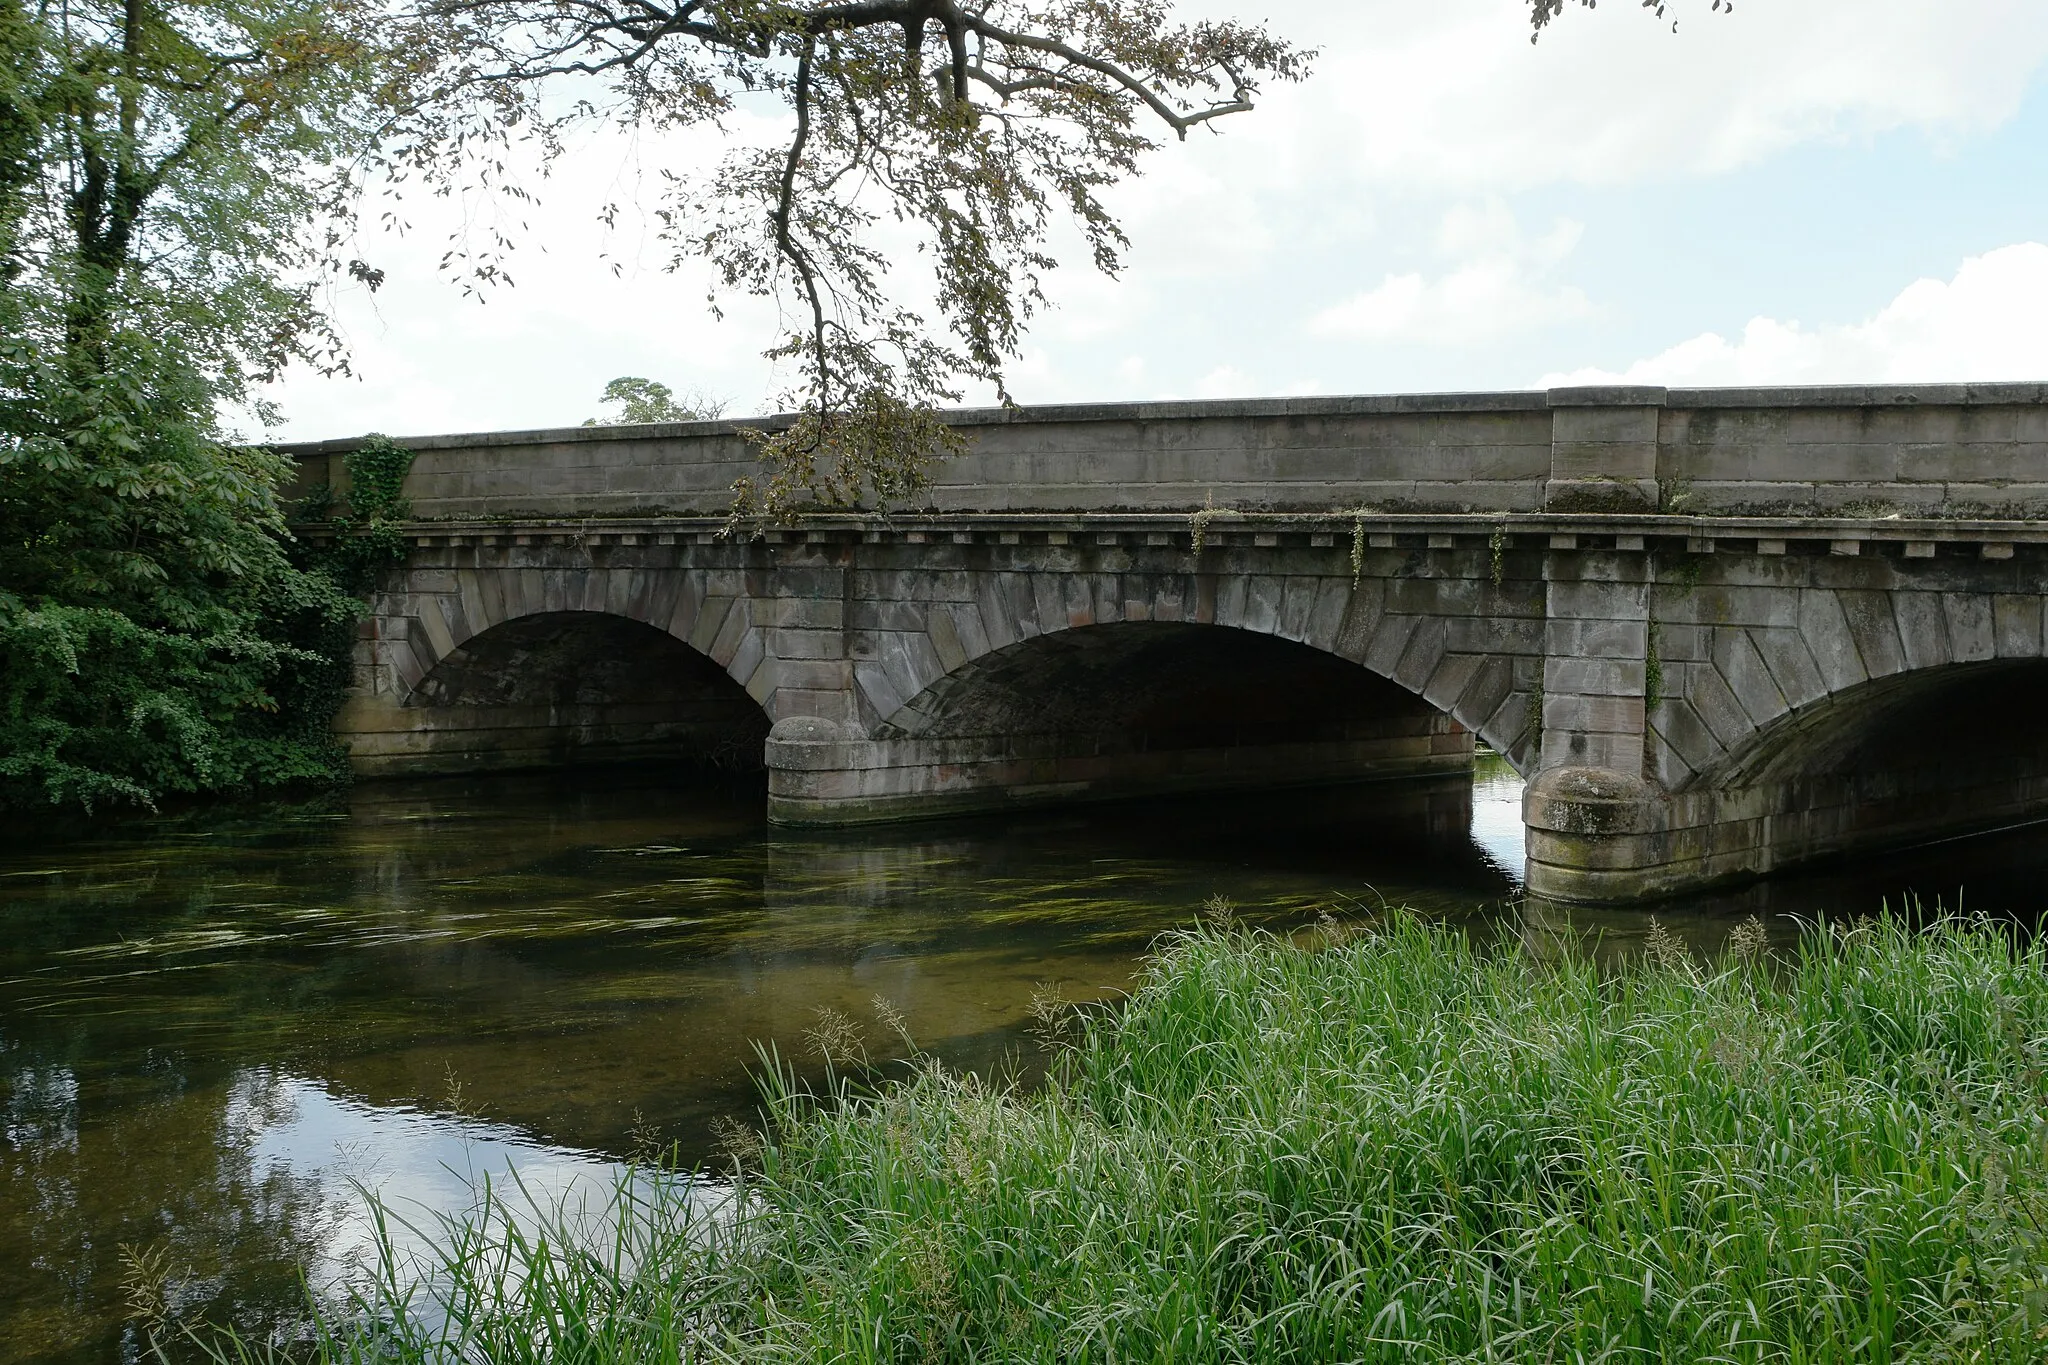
1805	450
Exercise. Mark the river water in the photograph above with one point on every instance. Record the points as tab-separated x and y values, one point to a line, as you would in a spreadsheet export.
218	1030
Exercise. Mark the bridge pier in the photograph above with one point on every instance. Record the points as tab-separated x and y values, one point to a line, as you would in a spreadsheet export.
818	775
1592	817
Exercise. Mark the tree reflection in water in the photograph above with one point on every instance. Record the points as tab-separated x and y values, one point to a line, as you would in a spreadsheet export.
144	1184
209	1027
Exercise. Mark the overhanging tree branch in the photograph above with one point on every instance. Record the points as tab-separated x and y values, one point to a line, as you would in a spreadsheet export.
884	127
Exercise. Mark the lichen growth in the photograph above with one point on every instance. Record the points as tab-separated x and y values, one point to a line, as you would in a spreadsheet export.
1653	671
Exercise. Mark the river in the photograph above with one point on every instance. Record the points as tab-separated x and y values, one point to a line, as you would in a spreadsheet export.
218	1029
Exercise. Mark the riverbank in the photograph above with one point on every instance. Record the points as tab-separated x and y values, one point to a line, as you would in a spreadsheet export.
1385	1146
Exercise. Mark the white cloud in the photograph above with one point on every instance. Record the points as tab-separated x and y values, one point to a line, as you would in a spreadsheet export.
1318	201
1451	94
1226	381
1503	285
1988	323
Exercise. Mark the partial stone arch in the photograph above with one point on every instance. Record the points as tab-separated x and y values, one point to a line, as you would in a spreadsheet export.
1467	649
430	614
435	612
1807	720
1859	725
1746	695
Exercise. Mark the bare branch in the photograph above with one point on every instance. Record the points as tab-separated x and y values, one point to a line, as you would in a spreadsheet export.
1175	119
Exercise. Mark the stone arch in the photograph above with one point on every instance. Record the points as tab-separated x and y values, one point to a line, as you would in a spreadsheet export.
439	611
1429	638
556	689
540	666
1935	716
1751	699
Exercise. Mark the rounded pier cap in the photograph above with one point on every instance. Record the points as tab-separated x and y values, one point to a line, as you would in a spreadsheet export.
807	730
1593	801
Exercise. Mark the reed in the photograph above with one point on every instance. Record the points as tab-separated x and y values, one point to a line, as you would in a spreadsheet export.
1392	1146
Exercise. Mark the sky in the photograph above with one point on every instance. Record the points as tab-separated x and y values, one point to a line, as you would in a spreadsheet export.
1797	192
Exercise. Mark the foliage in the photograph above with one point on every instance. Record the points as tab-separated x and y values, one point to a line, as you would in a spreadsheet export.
1393	1148
97	708
161	167
968	124
154	637
639	401
1653	668
878	445
1542	12
366	525
164	165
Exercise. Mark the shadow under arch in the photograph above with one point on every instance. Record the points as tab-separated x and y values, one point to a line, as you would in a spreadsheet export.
1941	716
1912	757
1157	685
563	688
1117	710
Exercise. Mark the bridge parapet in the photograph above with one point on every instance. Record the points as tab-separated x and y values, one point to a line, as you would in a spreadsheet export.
1940	450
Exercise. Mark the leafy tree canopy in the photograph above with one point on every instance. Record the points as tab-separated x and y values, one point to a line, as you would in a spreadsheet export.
636	402
160	169
1542	12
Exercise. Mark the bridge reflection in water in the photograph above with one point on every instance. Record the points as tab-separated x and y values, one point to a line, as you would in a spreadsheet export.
208	1027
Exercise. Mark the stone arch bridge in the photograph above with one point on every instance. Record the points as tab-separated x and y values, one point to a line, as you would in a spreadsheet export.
1721	632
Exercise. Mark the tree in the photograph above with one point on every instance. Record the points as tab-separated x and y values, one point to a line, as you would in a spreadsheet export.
160	165
1542	12
178	178
971	124
640	401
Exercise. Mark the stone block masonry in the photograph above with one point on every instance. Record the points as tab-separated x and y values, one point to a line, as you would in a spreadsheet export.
1720	632
1932	450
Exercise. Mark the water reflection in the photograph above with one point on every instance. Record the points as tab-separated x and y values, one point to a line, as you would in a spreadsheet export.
415	1164
1496	826
213	1029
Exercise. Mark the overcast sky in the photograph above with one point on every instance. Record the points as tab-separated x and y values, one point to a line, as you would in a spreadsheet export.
1807	191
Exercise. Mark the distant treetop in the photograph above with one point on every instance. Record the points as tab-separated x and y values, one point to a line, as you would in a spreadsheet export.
634	402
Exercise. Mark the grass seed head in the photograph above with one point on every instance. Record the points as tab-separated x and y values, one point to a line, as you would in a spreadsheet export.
835	1037
737	1142
1052	1014
1746	942
893	1019
1665	949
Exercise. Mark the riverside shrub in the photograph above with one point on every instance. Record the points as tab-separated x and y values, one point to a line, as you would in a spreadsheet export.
1394	1148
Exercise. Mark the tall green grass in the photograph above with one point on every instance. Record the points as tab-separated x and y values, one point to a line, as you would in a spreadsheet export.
1395	1147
